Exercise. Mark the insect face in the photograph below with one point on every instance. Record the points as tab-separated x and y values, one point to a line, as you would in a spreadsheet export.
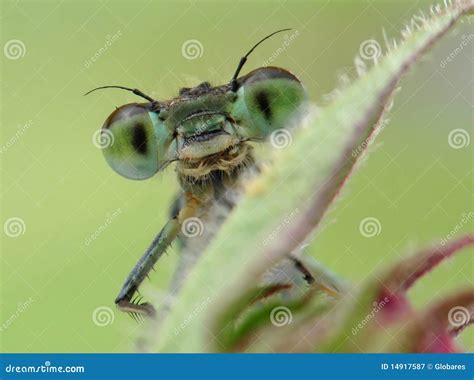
201	122
203	134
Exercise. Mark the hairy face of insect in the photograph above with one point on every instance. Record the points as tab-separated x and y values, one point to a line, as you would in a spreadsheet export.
203	122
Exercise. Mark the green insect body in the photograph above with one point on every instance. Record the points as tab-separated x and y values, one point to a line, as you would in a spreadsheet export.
208	132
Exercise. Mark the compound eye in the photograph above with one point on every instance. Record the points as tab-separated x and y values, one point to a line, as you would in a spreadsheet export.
131	149
268	99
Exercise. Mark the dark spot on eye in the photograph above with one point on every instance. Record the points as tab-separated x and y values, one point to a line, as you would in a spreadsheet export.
139	138
263	103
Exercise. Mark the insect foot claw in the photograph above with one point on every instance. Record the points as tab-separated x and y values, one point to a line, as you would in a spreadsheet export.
145	308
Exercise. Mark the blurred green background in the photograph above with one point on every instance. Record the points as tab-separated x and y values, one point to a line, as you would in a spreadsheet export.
54	276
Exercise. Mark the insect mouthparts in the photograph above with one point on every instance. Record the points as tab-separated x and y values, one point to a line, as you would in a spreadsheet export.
204	135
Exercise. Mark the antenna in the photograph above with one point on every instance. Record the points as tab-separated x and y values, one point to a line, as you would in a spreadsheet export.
233	81
134	90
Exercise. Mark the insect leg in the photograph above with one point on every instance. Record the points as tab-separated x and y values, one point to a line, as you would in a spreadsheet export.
142	268
124	300
308	277
317	275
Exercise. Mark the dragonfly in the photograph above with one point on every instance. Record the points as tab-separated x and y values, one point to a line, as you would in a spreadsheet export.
208	132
